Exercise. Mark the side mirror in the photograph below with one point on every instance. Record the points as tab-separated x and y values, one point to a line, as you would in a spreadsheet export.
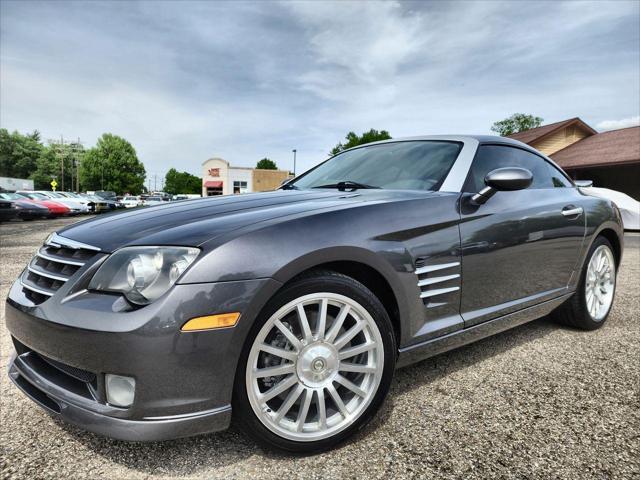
503	179
583	183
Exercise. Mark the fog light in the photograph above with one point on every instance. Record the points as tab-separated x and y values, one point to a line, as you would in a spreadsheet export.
120	390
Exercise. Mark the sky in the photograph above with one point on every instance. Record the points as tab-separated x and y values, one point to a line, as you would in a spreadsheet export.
187	81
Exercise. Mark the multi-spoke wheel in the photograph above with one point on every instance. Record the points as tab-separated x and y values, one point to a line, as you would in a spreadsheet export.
318	363
592	302
600	282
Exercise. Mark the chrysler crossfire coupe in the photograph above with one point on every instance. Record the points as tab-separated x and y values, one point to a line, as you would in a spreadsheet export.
288	311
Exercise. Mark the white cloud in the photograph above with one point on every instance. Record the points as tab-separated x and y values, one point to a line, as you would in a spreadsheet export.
617	124
368	39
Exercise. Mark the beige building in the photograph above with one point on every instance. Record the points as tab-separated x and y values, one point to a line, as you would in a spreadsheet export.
220	178
610	159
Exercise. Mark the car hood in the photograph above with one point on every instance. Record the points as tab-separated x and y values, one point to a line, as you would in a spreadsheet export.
194	222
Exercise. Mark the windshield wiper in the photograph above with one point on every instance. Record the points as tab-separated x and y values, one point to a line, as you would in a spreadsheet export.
347	185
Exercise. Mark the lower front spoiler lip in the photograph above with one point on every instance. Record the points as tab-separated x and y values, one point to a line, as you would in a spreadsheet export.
60	404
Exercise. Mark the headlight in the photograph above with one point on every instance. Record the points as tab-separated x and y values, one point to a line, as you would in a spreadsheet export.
143	274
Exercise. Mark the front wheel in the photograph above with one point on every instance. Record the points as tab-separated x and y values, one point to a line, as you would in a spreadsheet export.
589	307
317	364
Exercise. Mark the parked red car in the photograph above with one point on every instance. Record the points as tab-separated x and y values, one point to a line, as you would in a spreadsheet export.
55	209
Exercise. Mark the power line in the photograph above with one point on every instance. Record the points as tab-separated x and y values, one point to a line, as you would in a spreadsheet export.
75	151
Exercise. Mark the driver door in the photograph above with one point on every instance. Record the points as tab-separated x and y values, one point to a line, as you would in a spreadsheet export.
518	249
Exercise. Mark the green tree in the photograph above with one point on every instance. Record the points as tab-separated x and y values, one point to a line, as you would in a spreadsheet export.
353	140
266	164
518	122
176	182
19	153
112	165
55	158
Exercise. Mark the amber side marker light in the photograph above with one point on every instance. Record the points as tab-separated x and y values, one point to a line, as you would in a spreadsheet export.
211	322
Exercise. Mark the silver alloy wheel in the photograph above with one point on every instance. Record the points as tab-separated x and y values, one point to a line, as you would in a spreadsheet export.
600	282
314	367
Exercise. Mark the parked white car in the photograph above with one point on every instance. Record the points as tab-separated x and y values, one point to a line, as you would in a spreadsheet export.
131	202
628	206
82	200
150	201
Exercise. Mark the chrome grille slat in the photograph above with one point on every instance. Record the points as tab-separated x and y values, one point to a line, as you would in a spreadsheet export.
55	263
36	289
43	273
57	241
58	259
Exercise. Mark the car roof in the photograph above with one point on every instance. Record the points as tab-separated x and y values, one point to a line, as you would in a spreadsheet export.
455	138
477	139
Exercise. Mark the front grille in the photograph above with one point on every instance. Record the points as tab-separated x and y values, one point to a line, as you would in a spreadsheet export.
77	373
54	264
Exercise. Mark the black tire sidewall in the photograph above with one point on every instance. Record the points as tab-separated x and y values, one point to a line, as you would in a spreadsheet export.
324	282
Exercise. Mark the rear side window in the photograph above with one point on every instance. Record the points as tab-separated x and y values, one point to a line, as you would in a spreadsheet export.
490	157
557	177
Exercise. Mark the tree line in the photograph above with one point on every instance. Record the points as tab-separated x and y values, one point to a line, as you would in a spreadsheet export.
112	164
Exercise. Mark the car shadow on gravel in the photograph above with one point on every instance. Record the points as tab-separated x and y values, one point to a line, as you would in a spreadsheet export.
193	455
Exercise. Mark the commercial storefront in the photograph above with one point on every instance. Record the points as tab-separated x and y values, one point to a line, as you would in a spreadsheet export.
220	178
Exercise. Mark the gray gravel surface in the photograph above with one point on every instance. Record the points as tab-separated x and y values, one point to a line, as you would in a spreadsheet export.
539	401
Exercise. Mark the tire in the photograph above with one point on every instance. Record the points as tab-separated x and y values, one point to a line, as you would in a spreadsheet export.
292	420
575	312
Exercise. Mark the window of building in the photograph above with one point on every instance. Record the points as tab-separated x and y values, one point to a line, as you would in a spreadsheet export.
240	187
490	157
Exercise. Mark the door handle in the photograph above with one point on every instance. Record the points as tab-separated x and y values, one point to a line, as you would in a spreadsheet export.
570	212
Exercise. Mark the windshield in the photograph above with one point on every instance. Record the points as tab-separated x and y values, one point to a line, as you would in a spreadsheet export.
412	165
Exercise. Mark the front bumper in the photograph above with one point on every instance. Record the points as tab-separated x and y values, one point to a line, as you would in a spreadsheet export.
82	413
184	380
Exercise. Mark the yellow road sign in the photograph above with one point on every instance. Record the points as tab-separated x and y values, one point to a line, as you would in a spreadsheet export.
54	184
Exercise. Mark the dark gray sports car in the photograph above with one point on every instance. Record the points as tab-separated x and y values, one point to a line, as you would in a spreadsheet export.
291	309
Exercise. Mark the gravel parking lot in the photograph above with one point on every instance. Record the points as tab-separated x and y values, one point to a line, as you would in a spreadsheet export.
539	401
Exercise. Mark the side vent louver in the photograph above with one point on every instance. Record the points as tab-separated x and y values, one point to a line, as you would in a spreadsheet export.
435	281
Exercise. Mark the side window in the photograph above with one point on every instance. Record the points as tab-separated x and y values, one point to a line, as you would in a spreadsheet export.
557	177
490	157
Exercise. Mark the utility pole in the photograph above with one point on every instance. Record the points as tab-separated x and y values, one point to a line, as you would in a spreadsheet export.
155	182
294	161
79	149
76	150
61	163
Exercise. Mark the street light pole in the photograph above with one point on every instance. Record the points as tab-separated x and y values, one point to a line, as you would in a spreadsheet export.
294	161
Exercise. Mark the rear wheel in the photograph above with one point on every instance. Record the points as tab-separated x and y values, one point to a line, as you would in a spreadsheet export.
589	307
317	364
